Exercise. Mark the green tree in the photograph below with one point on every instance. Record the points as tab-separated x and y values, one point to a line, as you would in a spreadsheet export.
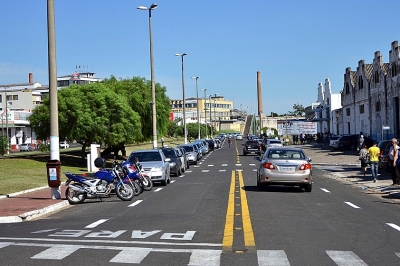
298	110
90	113
3	145
138	94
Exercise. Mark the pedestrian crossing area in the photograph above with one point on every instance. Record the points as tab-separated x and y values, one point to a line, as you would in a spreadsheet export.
209	257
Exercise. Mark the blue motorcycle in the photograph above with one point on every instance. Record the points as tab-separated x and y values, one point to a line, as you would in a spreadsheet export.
101	184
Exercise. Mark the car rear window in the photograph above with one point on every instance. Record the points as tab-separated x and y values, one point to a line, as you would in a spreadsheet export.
145	156
275	142
286	154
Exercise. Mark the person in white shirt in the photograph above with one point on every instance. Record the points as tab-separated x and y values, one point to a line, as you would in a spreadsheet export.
394	168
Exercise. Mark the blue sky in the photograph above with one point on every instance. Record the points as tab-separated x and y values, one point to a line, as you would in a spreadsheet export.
294	44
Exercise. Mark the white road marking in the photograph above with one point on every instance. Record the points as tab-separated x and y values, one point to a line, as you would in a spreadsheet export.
189	171
272	258
173	181
238	164
135	203
345	258
222	170
224	164
352	205
254	170
196	166
158	189
325	190
394	226
210	165
205	171
252	164
93	225
239	170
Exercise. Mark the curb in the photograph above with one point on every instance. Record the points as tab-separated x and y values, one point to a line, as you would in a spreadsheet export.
34	214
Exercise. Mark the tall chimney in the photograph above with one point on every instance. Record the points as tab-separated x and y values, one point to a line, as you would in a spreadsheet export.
30	78
259	94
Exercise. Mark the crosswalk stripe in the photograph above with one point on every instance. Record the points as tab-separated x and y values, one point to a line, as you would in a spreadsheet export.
131	255
345	258
272	258
57	252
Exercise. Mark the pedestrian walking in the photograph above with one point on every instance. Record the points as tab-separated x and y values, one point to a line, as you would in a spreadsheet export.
360	141
393	165
364	158
374	153
162	142
229	141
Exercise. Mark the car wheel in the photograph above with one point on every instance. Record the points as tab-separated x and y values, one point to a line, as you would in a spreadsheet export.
308	188
164	183
179	172
195	163
259	186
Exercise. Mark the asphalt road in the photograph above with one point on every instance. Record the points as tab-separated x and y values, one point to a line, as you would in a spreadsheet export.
214	215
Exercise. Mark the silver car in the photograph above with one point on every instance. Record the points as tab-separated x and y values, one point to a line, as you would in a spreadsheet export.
284	166
191	153
154	164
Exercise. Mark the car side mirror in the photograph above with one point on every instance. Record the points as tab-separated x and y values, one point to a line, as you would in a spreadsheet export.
309	159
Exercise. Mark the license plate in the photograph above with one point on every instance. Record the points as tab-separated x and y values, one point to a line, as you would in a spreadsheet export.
286	168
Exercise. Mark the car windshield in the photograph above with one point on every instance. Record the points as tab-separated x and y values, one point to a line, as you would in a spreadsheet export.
145	156
169	153
285	154
188	148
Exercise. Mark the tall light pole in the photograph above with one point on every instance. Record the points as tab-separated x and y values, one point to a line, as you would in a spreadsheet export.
205	111
198	113
211	131
215	114
54	136
153	86
2	129
184	101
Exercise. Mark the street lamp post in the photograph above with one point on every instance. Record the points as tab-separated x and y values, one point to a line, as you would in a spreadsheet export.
153	86
211	131
198	114
184	101
205	111
215	114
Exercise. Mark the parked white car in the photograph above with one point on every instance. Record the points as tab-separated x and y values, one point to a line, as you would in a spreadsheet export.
239	137
334	141
64	145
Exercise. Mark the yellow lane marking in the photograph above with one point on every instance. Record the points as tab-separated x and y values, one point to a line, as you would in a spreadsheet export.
227	242
247	228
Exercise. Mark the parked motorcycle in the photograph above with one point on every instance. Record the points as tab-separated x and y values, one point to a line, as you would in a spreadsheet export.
135	169
100	184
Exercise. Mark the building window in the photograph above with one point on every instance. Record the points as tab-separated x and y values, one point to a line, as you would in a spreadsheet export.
1	98
378	106
394	69
347	111
376	77
15	97
361	108
360	82
347	88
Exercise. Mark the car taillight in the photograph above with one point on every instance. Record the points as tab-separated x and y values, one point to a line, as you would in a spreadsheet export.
268	166
305	166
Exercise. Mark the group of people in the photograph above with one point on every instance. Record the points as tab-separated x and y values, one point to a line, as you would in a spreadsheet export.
371	156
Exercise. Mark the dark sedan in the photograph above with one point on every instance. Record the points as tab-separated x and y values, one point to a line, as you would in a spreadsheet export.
175	163
251	146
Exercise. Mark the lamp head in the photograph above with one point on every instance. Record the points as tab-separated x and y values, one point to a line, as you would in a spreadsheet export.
153	6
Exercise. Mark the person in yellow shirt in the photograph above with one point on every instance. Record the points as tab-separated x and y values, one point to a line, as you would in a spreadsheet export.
374	153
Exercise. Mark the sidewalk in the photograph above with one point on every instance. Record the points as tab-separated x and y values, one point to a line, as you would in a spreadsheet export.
341	165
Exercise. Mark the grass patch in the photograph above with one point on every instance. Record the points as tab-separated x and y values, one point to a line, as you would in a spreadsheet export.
21	171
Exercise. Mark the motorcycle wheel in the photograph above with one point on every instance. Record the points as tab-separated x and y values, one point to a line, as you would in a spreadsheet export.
125	192
74	197
138	187
147	183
